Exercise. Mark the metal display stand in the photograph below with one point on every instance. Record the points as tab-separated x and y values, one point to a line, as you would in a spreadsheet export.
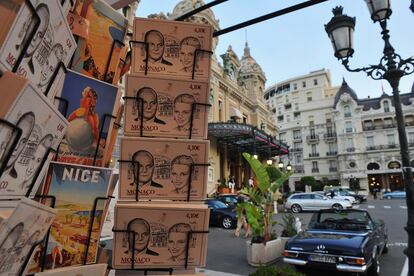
13	145
108	63
61	66
105	117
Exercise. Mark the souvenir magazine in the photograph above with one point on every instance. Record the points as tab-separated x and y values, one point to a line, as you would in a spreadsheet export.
93	55
75	188
52	43
86	270
166	107
42	129
88	101
161	235
163	168
172	48
27	225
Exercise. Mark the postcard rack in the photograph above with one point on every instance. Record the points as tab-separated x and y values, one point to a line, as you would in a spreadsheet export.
139	101
105	117
133	233
6	155
29	38
39	169
60	66
108	63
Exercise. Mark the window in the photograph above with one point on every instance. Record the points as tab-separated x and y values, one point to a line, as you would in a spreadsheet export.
410	137
282	136
296	115
332	164
297	134
347	111
313	148
298	158
295	86
332	147
349	143
280	118
386	106
391	139
244	119
220	108
303	84
370	141
296	106
329	130
312	132
315	165
288	118
348	126
279	110
297	145
309	96
388	122
315	81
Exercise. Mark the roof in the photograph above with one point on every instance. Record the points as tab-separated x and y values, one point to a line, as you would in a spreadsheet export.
345	89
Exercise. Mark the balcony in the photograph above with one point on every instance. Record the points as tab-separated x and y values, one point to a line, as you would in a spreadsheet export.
350	149
390	146
297	139
312	138
331	153
299	169
373	148
296	149
333	169
315	170
388	126
369	128
329	136
314	154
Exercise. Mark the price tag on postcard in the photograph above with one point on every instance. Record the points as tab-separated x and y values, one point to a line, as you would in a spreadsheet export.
78	25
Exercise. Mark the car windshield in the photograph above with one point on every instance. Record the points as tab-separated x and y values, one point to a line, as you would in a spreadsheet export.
342	220
216	204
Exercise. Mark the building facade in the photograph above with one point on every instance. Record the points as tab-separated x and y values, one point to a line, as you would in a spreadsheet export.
337	137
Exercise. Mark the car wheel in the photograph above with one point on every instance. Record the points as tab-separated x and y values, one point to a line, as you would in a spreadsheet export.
374	269
337	206
227	222
296	208
388	197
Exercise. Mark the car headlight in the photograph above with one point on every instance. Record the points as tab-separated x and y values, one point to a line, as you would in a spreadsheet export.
290	254
355	261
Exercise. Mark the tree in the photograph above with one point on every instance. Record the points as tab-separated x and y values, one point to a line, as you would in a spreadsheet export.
309	181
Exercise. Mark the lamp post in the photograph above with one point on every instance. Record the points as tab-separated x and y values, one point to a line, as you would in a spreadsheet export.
390	68
412	5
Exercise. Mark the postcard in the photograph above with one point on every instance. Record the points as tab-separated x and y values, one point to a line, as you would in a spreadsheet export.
163	168
75	188
52	43
42	128
166	107
86	270
27	225
174	49
95	56
88	101
161	235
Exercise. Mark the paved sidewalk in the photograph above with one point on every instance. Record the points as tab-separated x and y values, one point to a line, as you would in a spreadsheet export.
214	273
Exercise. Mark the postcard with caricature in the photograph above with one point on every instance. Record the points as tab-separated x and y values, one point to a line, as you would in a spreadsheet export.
52	43
157	168
167	108
90	270
75	188
96	56
42	128
161	235
27	225
88	100
174	49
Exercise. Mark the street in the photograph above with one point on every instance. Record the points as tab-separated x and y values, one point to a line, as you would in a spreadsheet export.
227	253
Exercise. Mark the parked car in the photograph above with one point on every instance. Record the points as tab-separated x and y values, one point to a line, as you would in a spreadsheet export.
314	201
342	196
342	240
394	194
221	214
229	199
346	191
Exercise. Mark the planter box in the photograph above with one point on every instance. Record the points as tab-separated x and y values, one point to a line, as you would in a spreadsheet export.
284	241
264	253
224	190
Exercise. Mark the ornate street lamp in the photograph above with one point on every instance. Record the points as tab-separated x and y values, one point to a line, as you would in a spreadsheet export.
391	68
269	162
281	165
289	167
255	156
412	5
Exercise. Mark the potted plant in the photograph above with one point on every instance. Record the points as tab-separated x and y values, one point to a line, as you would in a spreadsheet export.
264	247
223	188
289	227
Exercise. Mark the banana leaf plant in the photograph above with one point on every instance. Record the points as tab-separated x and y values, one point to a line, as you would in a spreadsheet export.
259	210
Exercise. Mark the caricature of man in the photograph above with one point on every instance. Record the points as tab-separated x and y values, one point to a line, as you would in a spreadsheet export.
182	111
50	65
150	105
177	241
87	111
8	246
146	169
180	172
142	237
44	14
26	123
188	47
156	46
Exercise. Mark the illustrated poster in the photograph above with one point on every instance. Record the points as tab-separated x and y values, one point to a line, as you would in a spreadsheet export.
161	232
42	128
164	168
52	43
172	48
88	101
93	55
27	225
75	188
166	107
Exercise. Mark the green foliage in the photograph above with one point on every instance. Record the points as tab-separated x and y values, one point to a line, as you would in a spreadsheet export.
259	209
288	224
274	173
276	271
308	180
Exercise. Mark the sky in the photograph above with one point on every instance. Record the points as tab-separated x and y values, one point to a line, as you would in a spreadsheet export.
296	44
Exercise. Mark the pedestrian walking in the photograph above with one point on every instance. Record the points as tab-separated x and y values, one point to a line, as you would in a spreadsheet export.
232	184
